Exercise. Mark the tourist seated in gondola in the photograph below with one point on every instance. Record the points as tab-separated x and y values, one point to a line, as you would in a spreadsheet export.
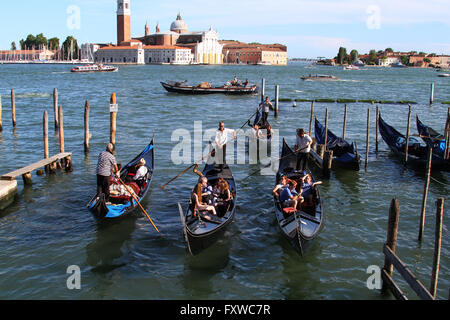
309	192
199	205
223	197
246	83
235	81
284	183
141	174
289	197
207	191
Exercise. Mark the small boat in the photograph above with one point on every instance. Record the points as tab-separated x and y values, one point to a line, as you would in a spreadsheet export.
202	229
417	153
302	227
351	67
320	77
444	75
345	154
205	88
398	65
121	206
264	63
432	138
94	68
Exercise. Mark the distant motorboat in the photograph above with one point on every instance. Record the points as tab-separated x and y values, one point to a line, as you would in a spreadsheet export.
444	75
94	68
320	77
264	63
351	67
398	65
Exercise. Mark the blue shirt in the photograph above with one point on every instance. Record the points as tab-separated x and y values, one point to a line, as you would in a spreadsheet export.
286	194
307	189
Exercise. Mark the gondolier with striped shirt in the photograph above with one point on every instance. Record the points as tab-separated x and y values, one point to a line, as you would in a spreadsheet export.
106	162
302	148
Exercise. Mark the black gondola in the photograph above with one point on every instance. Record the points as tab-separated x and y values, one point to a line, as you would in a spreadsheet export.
432	138
121	206
303	226
417	152
182	87
201	228
345	154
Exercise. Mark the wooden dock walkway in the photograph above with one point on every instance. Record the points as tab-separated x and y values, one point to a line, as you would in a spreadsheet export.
35	166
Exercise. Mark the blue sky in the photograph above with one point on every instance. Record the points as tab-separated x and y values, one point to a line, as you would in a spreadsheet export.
309	28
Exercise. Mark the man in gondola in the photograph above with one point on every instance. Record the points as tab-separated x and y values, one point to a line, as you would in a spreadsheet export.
302	148
106	163
221	143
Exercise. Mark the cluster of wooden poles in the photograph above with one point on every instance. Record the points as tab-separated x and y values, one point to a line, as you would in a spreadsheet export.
392	260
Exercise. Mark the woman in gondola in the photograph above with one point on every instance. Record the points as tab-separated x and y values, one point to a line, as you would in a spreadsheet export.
223	196
199	204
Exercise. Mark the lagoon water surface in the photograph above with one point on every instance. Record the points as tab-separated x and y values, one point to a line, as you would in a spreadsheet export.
48	228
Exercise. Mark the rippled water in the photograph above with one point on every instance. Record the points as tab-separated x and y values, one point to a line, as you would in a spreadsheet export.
48	228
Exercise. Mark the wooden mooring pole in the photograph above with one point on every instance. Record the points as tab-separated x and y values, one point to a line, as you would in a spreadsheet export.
391	241
447	135
1	123
311	118
263	89
277	99
327	163
45	129
13	107
377	126
432	93
55	107
326	129
113	119
86	126
437	246
344	128
425	194
367	139
408	133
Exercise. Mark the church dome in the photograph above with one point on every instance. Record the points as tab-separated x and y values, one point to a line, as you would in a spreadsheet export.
179	25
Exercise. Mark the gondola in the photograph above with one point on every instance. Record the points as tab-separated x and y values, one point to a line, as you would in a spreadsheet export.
302	227
432	138
202	229
182	87
262	126
345	154
121	206
417	152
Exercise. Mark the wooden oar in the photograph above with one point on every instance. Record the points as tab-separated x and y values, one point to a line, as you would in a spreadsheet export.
259	108
142	208
271	163
186	170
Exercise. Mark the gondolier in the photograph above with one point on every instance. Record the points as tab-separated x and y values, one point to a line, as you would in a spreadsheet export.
302	148
221	142
106	162
265	106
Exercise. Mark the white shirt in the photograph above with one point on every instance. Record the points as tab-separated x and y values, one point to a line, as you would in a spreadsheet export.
222	137
303	142
255	134
142	171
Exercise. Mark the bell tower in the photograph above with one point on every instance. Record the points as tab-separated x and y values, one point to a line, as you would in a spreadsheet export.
123	21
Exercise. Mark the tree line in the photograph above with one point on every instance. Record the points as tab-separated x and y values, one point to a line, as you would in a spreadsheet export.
68	49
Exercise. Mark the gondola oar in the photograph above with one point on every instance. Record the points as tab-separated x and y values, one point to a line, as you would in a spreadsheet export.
142	208
271	163
186	170
259	108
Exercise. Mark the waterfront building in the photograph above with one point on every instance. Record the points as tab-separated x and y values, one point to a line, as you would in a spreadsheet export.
242	53
121	54
387	61
167	55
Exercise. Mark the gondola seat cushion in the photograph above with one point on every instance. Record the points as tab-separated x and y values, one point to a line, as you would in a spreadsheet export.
134	187
289	211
